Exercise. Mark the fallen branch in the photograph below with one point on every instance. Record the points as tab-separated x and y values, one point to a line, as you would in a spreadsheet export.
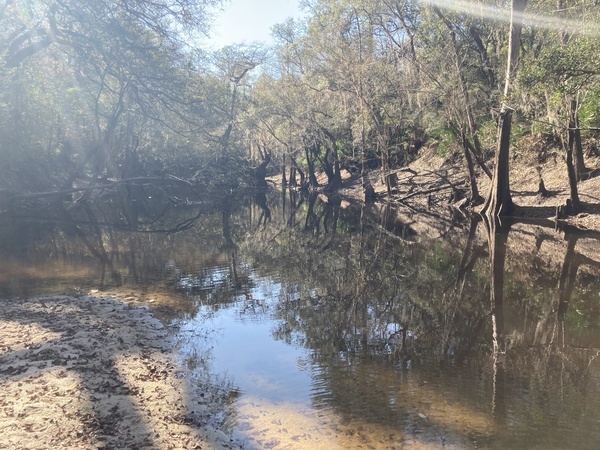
429	191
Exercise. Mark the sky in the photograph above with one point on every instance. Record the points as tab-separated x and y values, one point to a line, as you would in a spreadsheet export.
250	20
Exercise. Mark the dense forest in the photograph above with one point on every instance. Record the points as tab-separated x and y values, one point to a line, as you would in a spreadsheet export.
104	94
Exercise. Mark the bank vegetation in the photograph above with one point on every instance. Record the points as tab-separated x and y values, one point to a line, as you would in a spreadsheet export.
124	95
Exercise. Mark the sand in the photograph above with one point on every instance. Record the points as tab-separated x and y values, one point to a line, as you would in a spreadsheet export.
86	372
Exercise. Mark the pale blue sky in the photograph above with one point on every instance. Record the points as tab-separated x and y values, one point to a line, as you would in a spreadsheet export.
250	20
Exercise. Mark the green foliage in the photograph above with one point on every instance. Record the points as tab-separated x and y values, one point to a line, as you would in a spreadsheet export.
562	67
443	138
117	93
589	112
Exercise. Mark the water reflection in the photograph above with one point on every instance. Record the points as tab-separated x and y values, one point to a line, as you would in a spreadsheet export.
319	322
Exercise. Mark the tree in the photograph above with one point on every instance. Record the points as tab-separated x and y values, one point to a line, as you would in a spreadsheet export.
126	62
467	127
562	69
499	201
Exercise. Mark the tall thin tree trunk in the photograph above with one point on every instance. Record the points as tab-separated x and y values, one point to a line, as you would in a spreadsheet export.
573	137
575	204
283	174
578	160
476	199
310	162
368	190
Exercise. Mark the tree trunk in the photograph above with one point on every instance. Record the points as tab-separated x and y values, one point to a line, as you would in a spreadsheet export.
575	138
337	174
578	160
292	178
310	162
476	199
283	175
479	160
368	190
472	126
499	201
575	204
294	169
334	177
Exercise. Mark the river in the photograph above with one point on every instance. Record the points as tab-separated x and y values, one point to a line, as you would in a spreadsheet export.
319	323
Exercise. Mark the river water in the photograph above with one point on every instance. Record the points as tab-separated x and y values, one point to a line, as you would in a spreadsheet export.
318	323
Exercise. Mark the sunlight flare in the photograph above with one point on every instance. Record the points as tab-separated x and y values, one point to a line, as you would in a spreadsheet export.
530	19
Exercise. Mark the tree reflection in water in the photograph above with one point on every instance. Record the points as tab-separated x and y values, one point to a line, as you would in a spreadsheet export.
483	333
376	300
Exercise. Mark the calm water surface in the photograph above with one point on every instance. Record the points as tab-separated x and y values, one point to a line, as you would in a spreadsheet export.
316	323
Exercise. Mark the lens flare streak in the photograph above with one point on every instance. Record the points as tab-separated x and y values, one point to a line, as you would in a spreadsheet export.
535	20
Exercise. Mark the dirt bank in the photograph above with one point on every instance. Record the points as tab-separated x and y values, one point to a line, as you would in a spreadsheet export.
94	372
426	184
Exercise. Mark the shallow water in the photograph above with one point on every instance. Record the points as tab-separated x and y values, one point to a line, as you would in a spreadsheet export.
321	324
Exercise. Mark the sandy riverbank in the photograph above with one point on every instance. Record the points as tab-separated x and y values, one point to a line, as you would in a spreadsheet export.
94	372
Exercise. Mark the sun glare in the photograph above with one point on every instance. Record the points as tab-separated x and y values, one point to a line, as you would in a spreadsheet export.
544	21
